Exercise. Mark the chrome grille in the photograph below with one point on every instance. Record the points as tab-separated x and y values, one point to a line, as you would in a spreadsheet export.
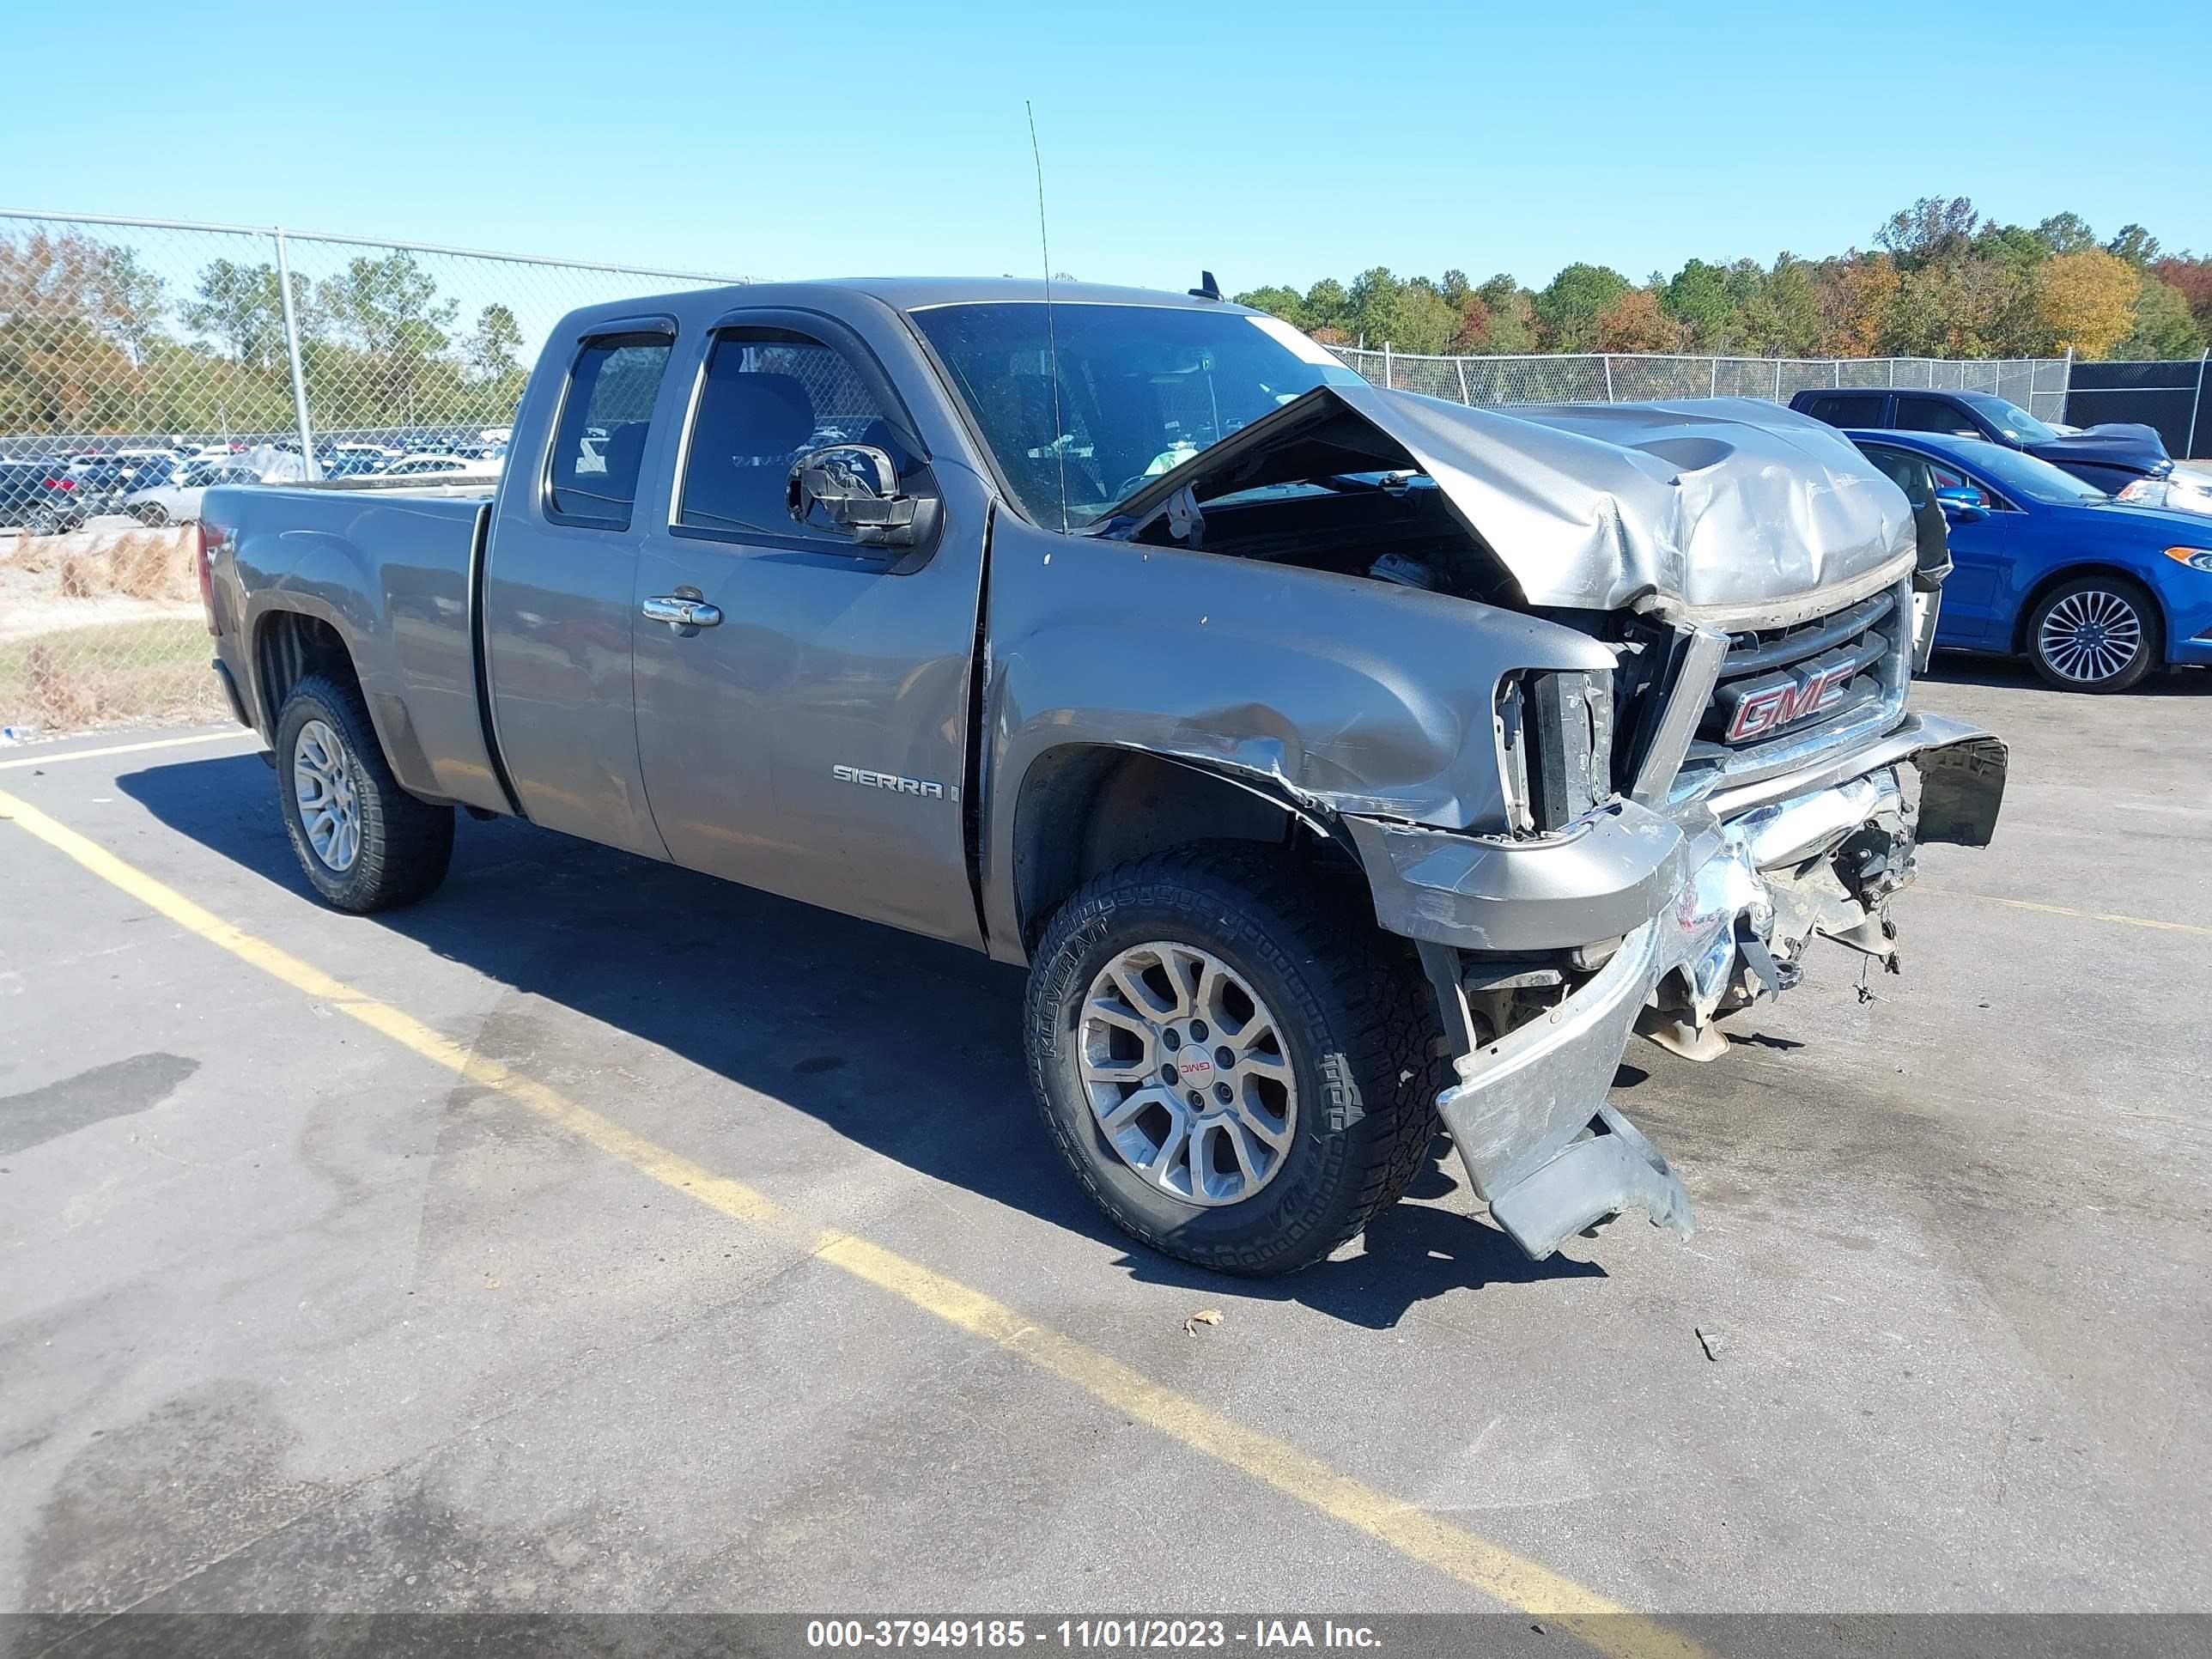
1786	693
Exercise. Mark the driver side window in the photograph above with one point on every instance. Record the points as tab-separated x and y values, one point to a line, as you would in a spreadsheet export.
1949	477
769	395
1934	415
1908	472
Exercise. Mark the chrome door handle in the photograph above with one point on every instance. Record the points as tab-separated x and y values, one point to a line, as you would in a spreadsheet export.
681	613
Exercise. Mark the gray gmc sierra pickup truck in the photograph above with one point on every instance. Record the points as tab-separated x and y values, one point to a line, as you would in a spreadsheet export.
1334	758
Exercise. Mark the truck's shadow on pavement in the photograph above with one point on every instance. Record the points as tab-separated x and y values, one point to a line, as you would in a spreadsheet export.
904	1045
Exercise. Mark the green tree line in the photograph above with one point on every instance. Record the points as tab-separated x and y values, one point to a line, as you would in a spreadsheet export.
1938	281
91	341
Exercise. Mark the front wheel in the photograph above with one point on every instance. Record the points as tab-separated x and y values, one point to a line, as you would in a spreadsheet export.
152	514
2095	633
364	842
1239	1070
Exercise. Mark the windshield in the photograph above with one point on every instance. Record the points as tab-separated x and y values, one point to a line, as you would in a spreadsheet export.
2015	422
2038	481
1140	389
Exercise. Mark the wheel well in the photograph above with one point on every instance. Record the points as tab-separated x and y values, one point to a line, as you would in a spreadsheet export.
289	647
1084	809
2043	590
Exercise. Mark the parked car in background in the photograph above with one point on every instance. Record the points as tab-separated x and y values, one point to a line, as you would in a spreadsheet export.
179	502
104	484
2094	591
2187	488
2111	456
40	497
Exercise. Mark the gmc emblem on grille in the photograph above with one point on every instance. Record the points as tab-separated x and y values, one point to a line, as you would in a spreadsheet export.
1783	705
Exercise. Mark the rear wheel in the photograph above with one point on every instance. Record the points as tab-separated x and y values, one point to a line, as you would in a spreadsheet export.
1239	1070
364	842
152	514
2095	633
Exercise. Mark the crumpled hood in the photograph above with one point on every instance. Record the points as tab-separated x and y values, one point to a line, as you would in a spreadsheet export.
1714	506
2124	443
1720	510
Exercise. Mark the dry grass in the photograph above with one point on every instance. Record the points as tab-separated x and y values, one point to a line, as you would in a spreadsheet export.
101	626
149	564
84	677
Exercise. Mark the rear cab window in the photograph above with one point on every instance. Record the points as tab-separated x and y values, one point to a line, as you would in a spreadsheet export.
598	441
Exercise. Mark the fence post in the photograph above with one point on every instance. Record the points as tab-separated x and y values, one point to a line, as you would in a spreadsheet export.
299	364
1464	399
2196	403
1836	371
1387	380
1778	379
1608	377
1713	380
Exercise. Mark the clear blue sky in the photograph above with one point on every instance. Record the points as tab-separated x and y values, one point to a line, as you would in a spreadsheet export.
1284	143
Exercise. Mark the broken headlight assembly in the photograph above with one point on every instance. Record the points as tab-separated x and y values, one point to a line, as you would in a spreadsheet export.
1554	729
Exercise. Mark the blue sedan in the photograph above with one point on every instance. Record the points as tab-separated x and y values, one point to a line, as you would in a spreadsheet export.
2094	593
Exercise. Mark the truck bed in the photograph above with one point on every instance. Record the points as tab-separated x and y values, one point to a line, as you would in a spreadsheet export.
395	569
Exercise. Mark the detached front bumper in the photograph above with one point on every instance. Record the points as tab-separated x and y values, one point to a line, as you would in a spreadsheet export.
1546	954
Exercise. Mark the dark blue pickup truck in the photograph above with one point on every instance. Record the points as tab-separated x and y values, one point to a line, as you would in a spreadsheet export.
2110	457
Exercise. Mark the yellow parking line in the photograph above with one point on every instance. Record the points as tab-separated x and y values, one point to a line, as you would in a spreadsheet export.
1473	1561
2079	915
122	749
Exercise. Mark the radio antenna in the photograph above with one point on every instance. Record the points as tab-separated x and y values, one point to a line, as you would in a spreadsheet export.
1051	337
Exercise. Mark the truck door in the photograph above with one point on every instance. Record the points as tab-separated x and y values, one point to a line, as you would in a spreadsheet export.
803	718
558	596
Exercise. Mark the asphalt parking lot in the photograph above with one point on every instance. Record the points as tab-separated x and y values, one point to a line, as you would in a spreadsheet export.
527	1250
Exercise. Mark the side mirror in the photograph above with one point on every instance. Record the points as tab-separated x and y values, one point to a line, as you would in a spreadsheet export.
1963	504
856	487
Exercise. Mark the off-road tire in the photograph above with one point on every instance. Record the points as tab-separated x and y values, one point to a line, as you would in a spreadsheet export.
1358	1024
406	843
2150	648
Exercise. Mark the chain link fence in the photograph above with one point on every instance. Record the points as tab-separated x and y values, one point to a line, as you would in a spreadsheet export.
141	359
2037	383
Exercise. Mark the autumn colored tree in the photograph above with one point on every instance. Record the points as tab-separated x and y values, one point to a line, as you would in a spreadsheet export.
2087	300
1636	321
2192	279
1855	301
77	318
